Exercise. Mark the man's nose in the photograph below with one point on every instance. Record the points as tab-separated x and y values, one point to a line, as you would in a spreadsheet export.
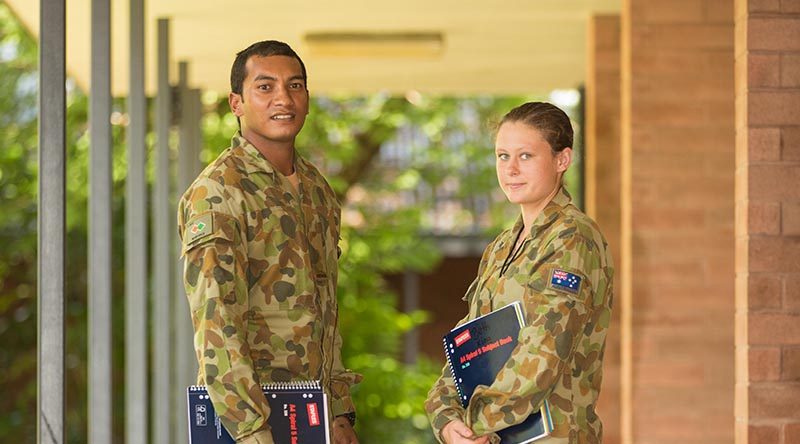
282	95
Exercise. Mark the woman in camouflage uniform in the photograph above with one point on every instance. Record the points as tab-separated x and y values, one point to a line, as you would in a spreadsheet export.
556	262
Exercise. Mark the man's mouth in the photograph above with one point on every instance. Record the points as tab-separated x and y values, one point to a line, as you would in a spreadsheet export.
282	117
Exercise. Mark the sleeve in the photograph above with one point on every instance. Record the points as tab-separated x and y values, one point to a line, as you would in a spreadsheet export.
341	381
341	378
216	286
556	313
443	404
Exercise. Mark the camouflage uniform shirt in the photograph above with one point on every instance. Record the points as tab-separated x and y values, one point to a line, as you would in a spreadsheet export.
261	274
560	350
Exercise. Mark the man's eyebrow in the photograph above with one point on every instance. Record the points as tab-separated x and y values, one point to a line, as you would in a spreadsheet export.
264	77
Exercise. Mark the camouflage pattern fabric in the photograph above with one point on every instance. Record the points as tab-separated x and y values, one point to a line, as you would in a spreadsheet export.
260	273
559	355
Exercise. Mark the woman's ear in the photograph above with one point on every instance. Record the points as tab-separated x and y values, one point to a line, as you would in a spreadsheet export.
563	159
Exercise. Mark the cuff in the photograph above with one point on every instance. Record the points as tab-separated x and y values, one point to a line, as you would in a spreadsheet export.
442	419
260	437
340	406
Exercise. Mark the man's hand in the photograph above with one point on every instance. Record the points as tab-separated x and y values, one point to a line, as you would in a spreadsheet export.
343	432
456	432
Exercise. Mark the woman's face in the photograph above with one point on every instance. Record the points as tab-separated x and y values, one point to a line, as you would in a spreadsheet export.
528	171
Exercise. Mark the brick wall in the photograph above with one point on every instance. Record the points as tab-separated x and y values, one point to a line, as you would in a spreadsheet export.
767	221
678	221
603	187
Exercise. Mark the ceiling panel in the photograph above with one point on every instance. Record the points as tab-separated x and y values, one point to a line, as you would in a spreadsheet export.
498	47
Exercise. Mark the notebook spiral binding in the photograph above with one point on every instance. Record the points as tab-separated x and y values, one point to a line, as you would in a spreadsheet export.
275	386
453	373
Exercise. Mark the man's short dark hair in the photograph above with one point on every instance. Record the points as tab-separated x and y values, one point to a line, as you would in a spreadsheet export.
261	49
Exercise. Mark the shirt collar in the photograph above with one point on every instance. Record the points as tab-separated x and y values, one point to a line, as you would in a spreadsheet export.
255	162
550	212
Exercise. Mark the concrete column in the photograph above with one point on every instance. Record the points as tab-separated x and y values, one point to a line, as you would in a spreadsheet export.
767	221
677	267
603	188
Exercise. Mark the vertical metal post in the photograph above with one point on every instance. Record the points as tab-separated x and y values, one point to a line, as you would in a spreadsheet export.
136	363
184	349
162	250
51	222
100	407
197	108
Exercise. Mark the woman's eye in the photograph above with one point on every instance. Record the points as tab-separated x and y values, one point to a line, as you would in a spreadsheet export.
502	156
525	156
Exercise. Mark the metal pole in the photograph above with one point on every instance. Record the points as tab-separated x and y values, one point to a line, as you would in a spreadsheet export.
162	249
100	182
136	397
51	222
184	350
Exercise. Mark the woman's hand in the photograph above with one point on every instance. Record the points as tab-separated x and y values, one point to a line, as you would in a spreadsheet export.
456	432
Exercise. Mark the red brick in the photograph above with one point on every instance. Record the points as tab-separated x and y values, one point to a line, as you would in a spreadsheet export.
774	401
764	144
764	218
688	36
774	254
790	70
763	434
773	34
764	364
791	144
774	107
791	295
790	219
774	182
772	329
763	70
790	6
763	5
790	367
719	11
764	291
791	433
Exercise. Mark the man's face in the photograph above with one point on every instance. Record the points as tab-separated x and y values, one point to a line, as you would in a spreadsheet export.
274	101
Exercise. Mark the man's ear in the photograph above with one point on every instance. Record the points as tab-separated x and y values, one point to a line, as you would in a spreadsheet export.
235	101
563	159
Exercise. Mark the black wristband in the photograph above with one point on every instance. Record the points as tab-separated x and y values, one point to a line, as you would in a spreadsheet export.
350	417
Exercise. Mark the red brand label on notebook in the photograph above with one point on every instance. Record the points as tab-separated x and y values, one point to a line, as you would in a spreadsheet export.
313	414
462	338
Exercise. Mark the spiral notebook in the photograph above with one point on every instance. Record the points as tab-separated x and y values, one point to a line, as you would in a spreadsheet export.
299	414
477	350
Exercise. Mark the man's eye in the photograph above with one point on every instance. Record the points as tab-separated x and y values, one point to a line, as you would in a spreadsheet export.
296	85
263	87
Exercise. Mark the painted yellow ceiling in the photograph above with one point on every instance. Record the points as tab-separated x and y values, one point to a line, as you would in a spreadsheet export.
493	47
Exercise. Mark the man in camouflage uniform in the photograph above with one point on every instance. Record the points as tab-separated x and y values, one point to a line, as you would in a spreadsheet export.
558	265
260	230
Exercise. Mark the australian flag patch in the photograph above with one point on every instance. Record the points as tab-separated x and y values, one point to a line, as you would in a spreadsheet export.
564	280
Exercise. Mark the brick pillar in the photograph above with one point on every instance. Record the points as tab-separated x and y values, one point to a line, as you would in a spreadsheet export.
767	221
603	189
677	266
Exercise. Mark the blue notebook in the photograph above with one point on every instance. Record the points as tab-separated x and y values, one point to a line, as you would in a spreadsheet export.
477	350
299	414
